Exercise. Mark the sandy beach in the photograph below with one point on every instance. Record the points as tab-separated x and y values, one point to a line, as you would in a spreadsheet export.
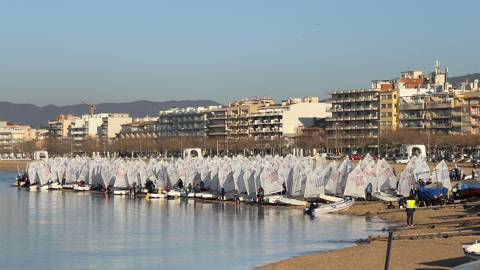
12	165
435	242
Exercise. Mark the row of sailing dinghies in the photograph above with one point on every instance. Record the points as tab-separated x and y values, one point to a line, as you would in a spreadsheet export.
301	177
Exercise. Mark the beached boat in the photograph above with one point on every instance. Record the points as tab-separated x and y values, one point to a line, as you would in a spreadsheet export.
156	196
55	186
472	251
279	199
174	194
68	186
82	188
384	196
121	192
342	205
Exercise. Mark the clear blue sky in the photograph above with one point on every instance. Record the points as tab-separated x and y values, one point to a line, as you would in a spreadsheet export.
64	51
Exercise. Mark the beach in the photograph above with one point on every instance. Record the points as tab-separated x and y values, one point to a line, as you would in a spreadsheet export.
435	242
13	165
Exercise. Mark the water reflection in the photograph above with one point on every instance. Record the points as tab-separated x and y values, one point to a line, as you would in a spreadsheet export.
71	230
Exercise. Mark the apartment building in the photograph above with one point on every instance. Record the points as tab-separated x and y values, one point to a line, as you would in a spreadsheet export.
217	123
265	120
12	135
112	125
59	128
190	122
355	116
139	130
388	104
239	112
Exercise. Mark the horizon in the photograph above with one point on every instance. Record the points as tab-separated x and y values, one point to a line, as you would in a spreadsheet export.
62	53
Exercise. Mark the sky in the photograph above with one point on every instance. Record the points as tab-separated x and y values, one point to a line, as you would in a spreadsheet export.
62	52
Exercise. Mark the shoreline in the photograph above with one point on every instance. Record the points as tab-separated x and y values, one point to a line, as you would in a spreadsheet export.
435	242
7	165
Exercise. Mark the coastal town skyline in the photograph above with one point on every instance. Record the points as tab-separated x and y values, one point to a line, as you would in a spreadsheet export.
222	51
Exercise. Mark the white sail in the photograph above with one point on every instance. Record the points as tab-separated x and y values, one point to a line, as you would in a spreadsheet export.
356	183
331	185
442	175
406	183
271	183
385	176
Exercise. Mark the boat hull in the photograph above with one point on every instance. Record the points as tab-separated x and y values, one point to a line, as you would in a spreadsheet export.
343	205
472	251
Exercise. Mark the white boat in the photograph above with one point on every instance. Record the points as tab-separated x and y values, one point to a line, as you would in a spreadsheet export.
342	205
293	202
279	199
68	186
121	192
191	195
384	196
82	188
204	195
55	186
33	188
156	196
174	193
329	198
472	251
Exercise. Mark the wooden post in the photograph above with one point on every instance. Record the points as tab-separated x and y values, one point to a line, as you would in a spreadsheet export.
389	249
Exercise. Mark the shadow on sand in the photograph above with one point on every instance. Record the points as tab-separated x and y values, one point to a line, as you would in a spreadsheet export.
448	263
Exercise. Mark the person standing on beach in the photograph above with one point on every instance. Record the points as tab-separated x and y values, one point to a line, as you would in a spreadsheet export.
410	210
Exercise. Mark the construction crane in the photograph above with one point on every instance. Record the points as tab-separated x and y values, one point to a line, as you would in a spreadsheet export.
92	108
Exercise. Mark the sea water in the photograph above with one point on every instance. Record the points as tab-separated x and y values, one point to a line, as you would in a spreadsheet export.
69	230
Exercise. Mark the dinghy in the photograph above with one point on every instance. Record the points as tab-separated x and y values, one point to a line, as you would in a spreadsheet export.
156	196
174	193
384	196
207	196
342	205
68	186
81	188
55	186
121	192
472	251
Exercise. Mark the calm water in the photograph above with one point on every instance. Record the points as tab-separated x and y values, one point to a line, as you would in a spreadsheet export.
66	230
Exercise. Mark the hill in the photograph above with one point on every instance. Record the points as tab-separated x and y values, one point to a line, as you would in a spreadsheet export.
38	116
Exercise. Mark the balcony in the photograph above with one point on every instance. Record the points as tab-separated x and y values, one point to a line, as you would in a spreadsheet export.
439	105
456	124
440	116
410	107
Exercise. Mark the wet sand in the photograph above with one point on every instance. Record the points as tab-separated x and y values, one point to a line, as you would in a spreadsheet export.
12	165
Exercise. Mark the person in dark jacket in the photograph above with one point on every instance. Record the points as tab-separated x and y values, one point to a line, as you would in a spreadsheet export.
180	184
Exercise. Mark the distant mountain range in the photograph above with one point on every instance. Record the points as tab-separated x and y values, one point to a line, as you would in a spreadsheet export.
37	116
463	78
